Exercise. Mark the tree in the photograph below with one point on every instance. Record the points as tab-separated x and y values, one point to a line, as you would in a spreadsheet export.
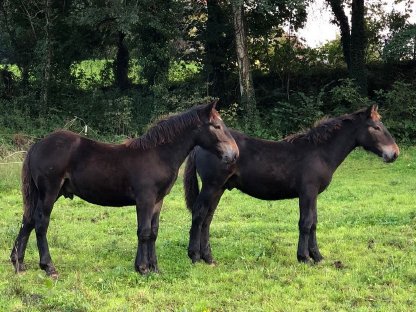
353	39
382	23
248	99
402	45
218	38
20	31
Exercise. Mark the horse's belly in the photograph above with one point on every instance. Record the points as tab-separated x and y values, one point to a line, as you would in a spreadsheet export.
114	201
108	199
267	190
100	194
269	194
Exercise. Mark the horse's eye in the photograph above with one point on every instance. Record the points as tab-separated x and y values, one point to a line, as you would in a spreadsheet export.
377	128
216	126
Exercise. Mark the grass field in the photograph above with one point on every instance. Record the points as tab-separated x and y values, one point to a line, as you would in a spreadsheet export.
366	231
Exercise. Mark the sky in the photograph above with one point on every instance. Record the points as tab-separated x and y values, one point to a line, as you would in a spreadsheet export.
318	29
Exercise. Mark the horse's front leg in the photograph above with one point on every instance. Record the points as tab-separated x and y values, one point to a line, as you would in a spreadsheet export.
312	243
307	245
144	212
153	236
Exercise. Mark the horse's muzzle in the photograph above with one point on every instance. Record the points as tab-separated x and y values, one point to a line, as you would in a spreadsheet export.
390	153
230	155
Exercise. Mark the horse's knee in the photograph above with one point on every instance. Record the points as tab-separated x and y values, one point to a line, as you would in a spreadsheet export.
305	229
41	225
153	232
144	233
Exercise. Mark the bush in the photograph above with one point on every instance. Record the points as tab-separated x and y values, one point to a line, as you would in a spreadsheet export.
399	106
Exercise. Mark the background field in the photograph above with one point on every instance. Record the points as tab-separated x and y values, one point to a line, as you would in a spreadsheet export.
366	230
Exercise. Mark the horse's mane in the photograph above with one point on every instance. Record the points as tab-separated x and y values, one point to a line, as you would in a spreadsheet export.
323	129
165	130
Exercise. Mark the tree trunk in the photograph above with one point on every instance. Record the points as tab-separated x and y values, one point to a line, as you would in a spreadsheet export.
217	41
353	40
342	21
122	64
357	70
248	99
48	55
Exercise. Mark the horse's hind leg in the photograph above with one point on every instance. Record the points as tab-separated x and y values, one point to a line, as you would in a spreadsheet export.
19	247
206	253
41	219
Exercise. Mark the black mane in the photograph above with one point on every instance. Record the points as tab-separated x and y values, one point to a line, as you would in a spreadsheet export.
323	129
166	129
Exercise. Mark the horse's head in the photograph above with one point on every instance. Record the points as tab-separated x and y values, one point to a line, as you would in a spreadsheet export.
214	136
375	137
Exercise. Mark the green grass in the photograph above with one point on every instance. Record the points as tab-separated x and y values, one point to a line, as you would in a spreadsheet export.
367	221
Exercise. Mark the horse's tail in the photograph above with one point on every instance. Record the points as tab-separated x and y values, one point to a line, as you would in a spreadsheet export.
30	192
190	181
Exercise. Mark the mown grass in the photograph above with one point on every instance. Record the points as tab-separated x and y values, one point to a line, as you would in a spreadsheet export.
367	227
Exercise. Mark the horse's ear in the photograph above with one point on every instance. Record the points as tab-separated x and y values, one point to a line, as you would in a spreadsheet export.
372	112
213	105
209	110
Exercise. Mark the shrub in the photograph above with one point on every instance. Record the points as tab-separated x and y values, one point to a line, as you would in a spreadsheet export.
399	106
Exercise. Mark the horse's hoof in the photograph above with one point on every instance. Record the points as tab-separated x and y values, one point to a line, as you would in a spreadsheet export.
51	272
316	255
317	258
305	259
195	256
19	267
208	259
53	275
153	268
142	269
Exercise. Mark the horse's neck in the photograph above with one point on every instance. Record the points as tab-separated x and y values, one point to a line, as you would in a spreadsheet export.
176	151
340	146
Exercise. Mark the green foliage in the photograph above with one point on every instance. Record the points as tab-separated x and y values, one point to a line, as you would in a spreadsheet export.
402	45
366	233
230	116
399	105
330	53
92	73
182	71
297	114
347	97
13	69
177	54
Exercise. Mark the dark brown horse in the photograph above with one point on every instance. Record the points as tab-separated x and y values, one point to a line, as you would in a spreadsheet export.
140	172
300	166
